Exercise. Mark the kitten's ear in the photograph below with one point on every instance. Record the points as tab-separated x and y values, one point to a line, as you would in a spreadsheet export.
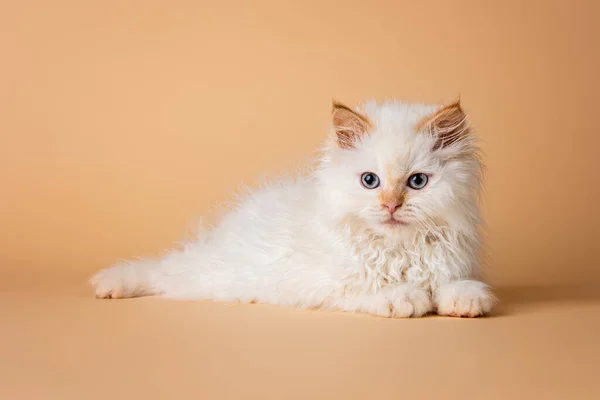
449	125
349	125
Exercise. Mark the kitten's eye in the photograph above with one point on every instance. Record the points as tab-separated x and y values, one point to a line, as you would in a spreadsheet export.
369	180
417	181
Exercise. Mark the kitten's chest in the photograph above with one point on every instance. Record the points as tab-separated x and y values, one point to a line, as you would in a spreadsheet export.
378	264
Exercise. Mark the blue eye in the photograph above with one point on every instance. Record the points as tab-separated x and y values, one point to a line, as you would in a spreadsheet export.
369	180
418	181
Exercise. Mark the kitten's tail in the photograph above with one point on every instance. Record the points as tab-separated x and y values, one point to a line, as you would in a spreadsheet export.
130	279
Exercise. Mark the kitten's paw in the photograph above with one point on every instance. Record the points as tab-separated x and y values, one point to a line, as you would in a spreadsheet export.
119	282
408	301
464	299
378	304
400	301
109	283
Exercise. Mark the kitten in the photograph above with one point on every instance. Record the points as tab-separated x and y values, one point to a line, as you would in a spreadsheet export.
386	224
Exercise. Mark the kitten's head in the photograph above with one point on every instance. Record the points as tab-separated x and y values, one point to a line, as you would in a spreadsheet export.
397	167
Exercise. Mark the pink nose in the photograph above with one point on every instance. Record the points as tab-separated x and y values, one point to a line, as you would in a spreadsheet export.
392	207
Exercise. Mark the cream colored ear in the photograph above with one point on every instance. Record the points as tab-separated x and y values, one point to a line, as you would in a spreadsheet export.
449	124
349	125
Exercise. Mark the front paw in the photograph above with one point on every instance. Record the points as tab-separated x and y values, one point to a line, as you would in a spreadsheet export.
464	299
408	301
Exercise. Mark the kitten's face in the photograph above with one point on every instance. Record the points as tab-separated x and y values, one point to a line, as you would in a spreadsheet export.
396	170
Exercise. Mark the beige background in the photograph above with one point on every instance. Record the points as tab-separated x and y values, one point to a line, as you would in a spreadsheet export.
123	121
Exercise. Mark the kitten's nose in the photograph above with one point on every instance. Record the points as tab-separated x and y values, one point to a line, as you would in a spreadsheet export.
391	206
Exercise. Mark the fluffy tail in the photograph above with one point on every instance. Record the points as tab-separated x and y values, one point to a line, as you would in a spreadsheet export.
131	279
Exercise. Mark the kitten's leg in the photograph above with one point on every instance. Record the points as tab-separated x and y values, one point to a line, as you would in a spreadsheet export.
175	275
130	279
400	301
465	298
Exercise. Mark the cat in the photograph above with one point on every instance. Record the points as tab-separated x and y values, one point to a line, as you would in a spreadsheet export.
386	223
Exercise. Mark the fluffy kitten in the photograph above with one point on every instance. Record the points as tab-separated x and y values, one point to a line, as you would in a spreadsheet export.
386	224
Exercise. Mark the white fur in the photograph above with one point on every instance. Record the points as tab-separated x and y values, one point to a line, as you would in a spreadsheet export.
317	241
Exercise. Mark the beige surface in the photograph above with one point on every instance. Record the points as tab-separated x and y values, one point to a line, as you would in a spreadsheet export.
122	121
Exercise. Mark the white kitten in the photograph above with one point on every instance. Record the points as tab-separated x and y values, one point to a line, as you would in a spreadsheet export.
387	224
